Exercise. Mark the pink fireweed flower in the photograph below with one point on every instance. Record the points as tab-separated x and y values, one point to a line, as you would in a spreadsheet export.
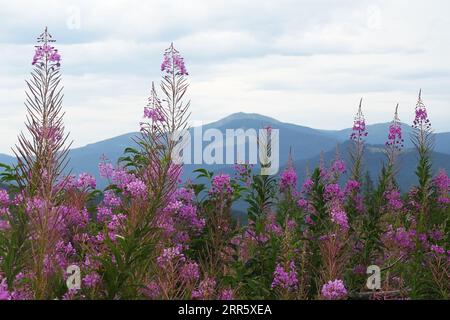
83	182
103	213
154	114
221	184
308	220
115	225
334	290
137	189
333	192
352	186
86	181
401	238
307	185
173	62
186	195
338	167
73	216
4	198
4	225
152	290
340	218
53	134
437	249
4	293
394	200
111	200
288	179
421	120
171	256
442	185
272	226
91	280
303	204
395	138
359	131
46	53
205	290
226	295
187	214
190	272
34	204
285	279
106	169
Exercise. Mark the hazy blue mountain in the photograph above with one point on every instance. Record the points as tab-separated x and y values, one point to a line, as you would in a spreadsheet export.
87	158
378	135
6	159
306	145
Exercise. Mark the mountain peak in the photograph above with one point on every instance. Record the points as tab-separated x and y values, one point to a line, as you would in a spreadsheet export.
242	116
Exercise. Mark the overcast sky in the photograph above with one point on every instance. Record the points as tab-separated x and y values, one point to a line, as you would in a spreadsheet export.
301	61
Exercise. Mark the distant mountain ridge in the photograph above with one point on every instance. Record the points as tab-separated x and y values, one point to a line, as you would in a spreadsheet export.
306	144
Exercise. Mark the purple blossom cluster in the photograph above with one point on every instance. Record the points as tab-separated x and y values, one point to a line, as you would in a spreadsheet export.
402	238
46	53
91	280
285	279
137	188
338	167
221	184
154	114
173	62
339	217
394	200
352	186
171	256
442	184
333	193
421	120
395	136
4	198
288	179
205	290
359	130
334	290
4	293
226	295
190	272
84	181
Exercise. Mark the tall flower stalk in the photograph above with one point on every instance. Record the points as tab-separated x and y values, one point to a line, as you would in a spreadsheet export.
422	137
358	135
395	141
153	177
42	157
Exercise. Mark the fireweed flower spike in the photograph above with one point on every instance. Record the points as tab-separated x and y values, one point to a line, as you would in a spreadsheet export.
422	138
173	62
46	149
395	137
395	140
334	290
421	120
358	135
359	126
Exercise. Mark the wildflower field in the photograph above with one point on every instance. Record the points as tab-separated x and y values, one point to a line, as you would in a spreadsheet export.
148	235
